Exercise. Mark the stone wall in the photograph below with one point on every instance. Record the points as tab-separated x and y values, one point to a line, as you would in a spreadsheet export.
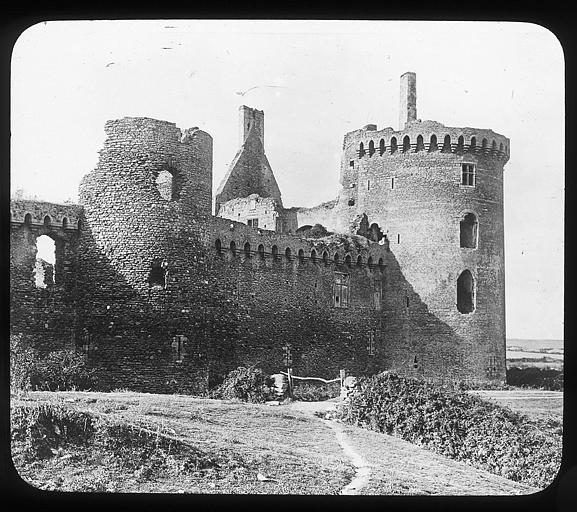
416	196
46	316
266	210
168	297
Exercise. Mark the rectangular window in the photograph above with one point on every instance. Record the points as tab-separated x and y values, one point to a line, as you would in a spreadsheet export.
253	204
371	345
352	163
392	183
468	175
178	347
253	223
341	290
368	184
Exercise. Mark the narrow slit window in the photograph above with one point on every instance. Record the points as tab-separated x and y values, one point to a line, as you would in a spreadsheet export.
371	344
468	231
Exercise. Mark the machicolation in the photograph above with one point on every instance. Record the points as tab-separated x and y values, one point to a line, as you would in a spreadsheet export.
164	294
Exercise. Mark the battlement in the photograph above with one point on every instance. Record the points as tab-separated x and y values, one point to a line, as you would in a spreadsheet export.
343	252
43	213
426	136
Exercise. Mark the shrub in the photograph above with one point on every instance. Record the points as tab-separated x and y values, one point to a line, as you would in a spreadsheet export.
246	384
57	371
458	425
307	392
62	370
22	362
42	428
533	377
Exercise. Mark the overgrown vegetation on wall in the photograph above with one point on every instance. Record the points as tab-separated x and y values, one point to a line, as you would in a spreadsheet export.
309	392
458	425
245	384
56	371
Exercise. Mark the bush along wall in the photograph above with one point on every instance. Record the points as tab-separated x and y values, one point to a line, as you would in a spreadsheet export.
458	425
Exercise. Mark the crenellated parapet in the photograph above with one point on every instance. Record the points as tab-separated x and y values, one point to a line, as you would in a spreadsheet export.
426	137
234	240
43	213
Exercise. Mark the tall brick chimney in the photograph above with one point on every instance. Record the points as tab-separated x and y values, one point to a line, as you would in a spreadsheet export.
408	104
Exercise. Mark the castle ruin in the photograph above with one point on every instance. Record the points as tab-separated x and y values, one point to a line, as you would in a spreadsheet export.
163	295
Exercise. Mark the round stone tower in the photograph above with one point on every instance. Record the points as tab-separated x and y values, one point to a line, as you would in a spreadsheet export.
151	181
436	193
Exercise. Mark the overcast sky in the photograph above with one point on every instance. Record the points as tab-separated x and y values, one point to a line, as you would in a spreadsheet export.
316	81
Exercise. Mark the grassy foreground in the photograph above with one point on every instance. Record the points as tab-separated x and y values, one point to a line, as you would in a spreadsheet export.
129	442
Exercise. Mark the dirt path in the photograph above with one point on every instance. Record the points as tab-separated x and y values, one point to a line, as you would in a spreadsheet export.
389	465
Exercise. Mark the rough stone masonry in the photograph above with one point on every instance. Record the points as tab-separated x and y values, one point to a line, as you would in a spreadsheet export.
162	296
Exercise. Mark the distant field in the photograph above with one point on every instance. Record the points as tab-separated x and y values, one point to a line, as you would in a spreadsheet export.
536	353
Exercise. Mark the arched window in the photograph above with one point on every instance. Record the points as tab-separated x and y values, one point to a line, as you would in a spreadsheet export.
218	246
45	266
336	257
348	260
233	248
460	144
28	219
314	256
394	145
274	251
446	144
473	145
301	256
375	233
371	148
468	231
287	253
79	224
361	150
494	146
370	262
420	143
381	264
465	292
247	250
484	145
64	223
47	220
433	144
501	147
325	257
406	144
382	147
261	251
359	261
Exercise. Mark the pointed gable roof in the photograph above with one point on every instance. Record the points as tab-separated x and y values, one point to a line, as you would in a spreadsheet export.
249	173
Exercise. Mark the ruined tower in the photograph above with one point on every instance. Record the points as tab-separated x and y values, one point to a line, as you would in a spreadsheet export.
249	192
436	193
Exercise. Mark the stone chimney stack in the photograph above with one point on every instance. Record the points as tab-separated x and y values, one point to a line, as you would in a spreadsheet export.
408	104
251	118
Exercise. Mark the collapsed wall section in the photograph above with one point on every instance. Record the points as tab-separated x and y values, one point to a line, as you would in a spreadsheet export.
43	295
